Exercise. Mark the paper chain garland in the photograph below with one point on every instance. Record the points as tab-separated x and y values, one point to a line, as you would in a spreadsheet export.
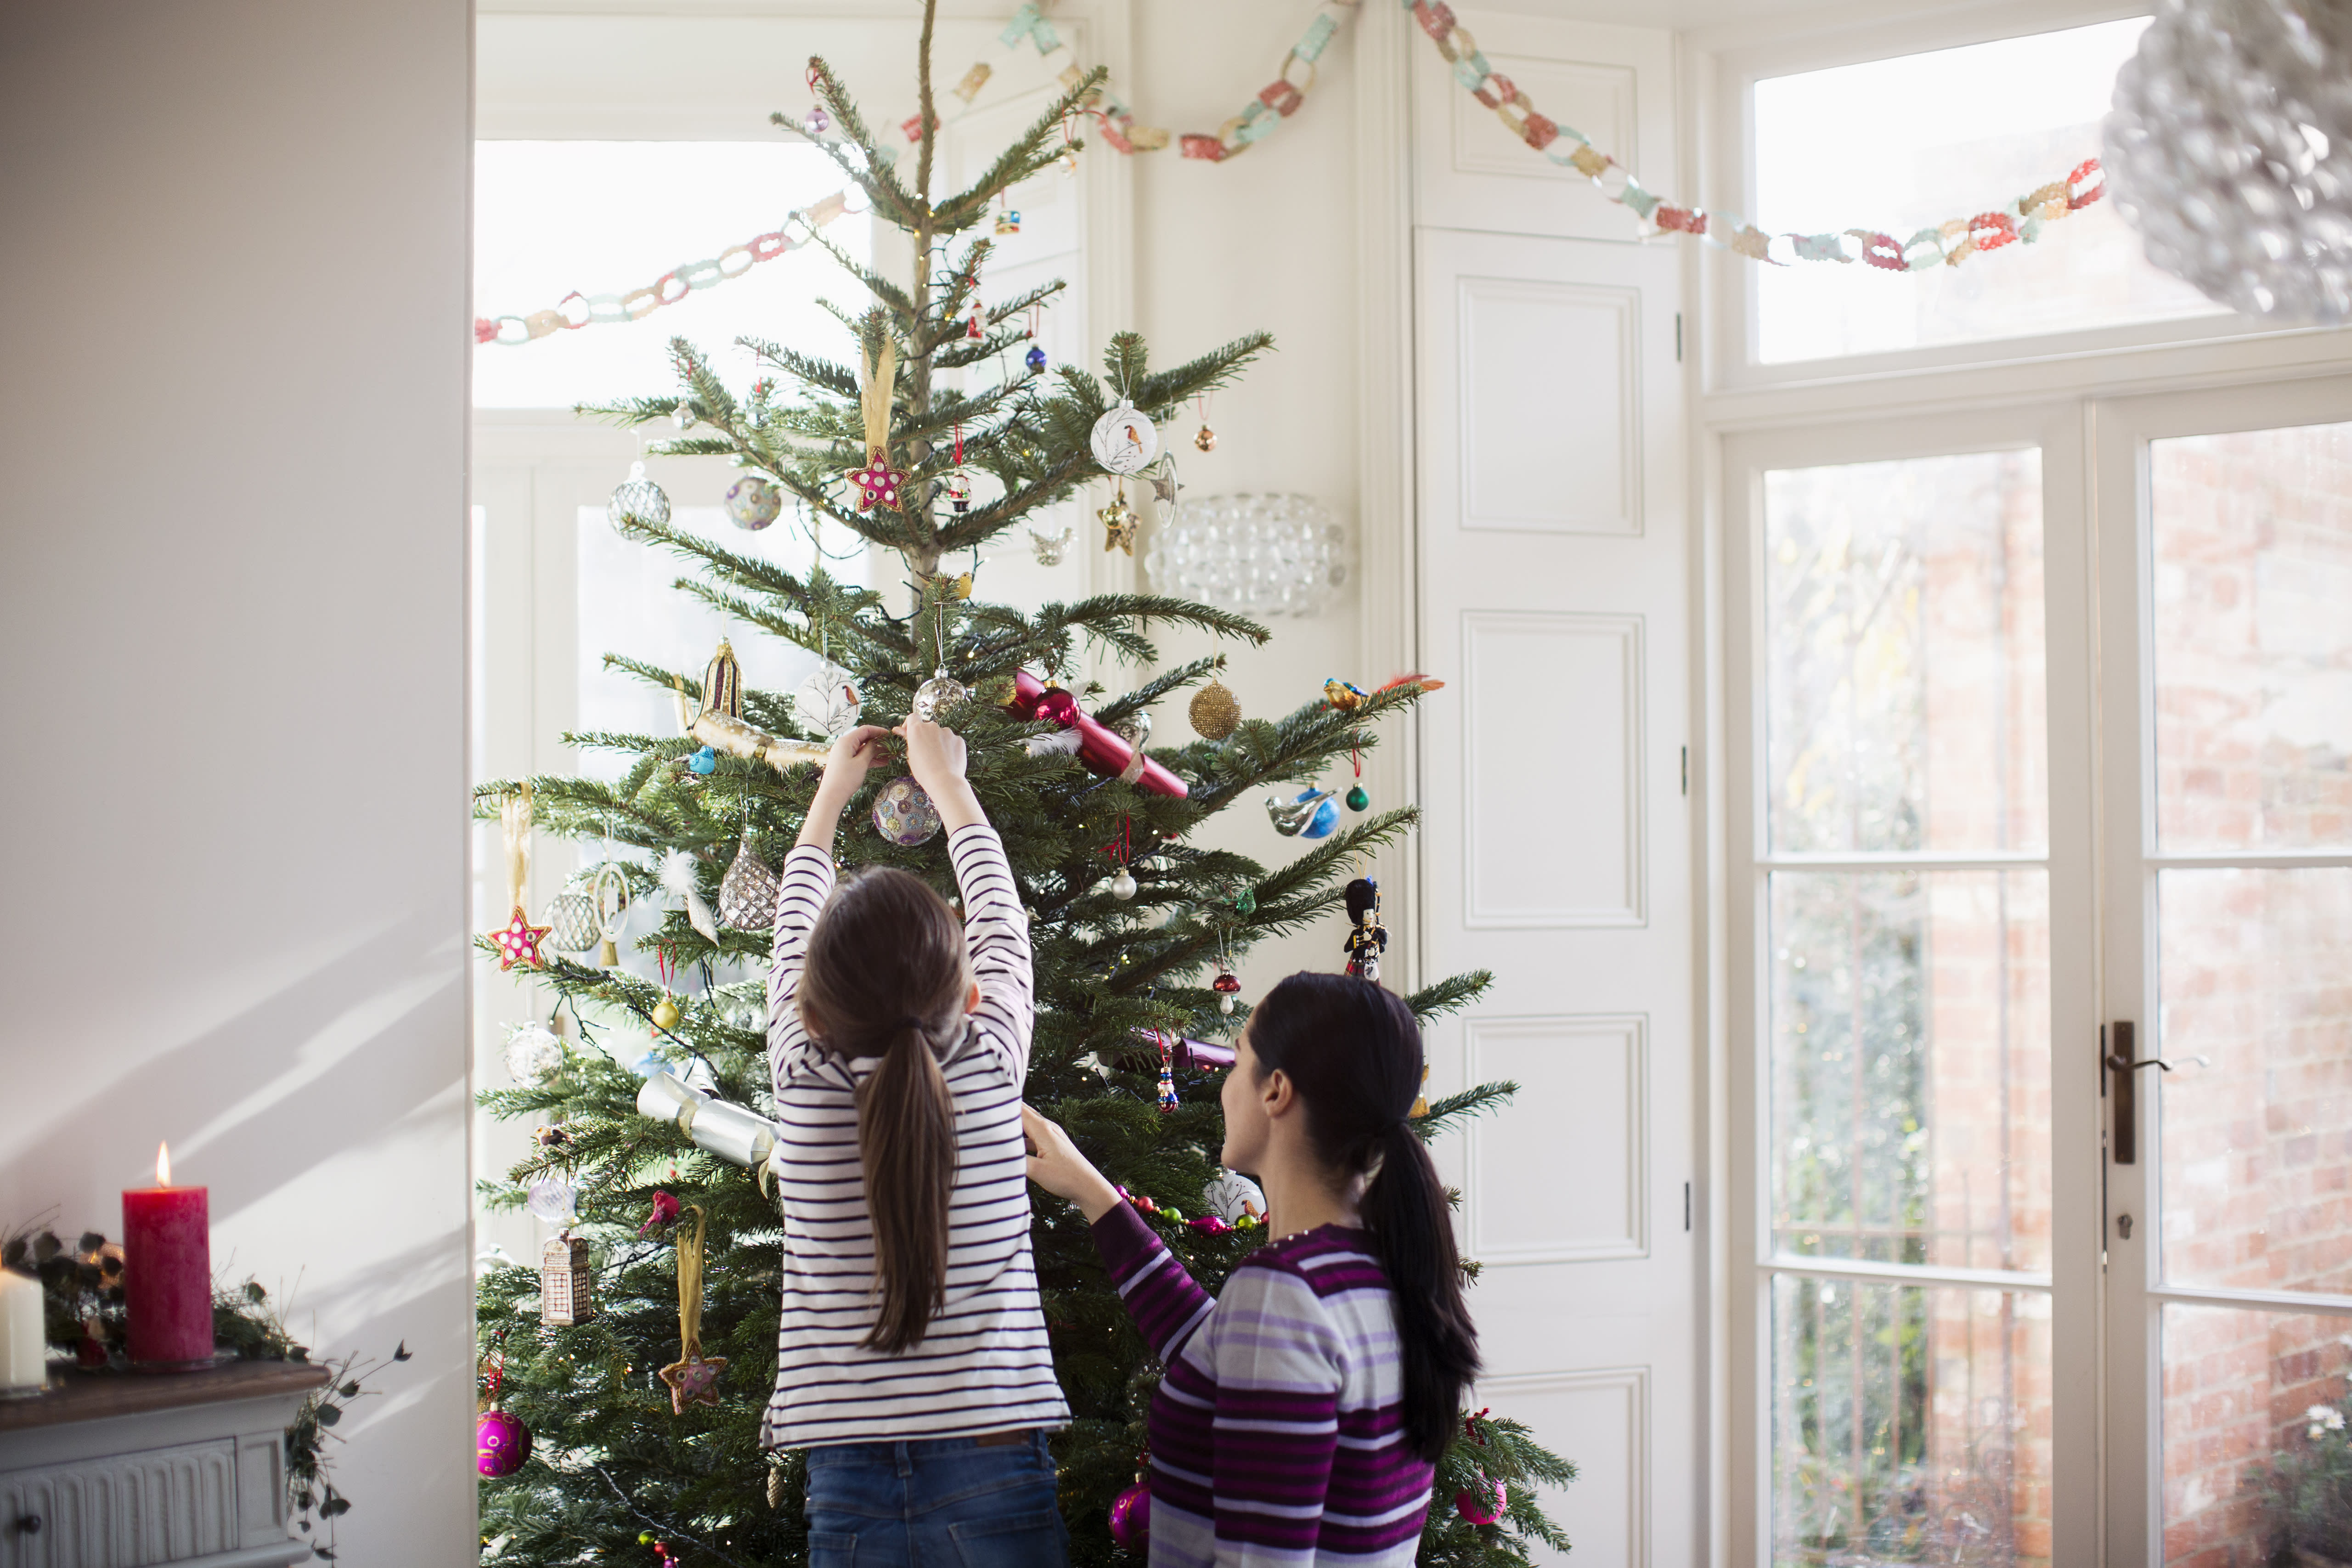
1946	244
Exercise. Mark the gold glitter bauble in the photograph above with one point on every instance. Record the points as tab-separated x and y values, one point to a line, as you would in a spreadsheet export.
1214	713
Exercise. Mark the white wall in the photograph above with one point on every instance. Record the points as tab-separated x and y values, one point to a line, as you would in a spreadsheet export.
1264	240
231	615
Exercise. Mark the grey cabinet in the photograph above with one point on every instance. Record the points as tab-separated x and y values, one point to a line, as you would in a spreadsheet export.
126	1471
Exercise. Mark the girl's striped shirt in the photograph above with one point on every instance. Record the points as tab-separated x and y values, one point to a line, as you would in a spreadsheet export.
1277	1433
984	1366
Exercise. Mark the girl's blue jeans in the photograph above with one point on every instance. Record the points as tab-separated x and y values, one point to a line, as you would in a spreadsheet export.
937	1502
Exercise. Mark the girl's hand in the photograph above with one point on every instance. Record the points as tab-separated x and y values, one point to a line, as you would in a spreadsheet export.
1056	1165
935	755
856	750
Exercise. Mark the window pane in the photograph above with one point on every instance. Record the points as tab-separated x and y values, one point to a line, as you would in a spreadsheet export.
606	217
2256	1460
1911	1068
2256	974
1909	1425
1905	654
2252	621
628	606
1906	143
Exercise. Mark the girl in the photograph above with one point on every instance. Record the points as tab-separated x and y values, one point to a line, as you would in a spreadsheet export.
912	1361
1302	1411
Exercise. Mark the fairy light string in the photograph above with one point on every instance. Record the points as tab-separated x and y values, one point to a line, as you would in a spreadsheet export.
1947	244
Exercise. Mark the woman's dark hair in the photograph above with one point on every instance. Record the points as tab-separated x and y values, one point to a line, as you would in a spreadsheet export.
886	976
1353	1052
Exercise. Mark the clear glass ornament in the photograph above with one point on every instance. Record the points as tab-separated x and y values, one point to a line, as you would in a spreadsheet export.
1258	555
683	415
534	1053
938	697
747	894
2230	149
638	499
1135	729
553	1199
570	921
816	121
1048	547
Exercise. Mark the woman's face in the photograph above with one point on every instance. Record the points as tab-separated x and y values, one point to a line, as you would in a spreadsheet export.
1247	1125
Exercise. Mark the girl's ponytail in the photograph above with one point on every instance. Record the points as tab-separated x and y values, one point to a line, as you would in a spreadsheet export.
907	1143
1354	1052
886	977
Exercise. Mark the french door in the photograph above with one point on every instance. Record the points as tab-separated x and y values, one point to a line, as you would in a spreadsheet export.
2039	743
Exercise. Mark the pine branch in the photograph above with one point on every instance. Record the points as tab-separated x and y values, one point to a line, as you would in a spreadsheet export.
1448	1112
876	175
1031	152
1449	995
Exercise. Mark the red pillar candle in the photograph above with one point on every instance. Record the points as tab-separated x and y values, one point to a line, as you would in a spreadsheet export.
167	1269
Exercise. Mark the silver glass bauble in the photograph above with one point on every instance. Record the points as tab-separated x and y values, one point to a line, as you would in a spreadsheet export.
638	499
2230	149
938	698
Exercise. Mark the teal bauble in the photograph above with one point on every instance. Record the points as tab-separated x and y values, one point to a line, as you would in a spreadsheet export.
1358	798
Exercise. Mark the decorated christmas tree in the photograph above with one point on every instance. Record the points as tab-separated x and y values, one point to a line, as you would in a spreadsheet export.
640	1446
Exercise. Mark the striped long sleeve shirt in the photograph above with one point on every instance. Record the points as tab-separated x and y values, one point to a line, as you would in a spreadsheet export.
1277	1433
984	1364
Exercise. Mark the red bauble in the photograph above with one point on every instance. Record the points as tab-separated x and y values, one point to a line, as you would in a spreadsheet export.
1483	1503
1058	706
501	1443
1130	1518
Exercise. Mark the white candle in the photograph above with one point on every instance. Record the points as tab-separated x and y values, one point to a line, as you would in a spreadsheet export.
24	1350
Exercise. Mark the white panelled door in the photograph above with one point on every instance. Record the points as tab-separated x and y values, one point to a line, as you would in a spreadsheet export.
1553	596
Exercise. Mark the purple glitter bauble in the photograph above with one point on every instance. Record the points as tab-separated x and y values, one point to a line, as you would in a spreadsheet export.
1130	1518
501	1443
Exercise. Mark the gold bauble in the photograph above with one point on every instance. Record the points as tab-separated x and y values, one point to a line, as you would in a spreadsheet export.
1206	440
1214	713
665	1014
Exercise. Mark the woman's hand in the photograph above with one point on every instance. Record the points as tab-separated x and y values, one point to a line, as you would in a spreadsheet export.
845	769
935	755
1056	1165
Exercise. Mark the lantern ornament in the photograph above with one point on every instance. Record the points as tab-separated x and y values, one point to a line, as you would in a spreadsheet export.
567	1286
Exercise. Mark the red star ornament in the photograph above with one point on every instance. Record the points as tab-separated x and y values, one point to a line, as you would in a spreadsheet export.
878	482
518	942
694	1381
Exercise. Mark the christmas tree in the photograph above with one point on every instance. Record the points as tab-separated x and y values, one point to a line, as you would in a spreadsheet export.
1127	919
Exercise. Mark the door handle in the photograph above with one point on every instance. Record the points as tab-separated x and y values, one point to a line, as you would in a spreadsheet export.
2123	1071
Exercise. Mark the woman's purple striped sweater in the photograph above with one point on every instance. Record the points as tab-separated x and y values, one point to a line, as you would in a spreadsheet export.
1278	1434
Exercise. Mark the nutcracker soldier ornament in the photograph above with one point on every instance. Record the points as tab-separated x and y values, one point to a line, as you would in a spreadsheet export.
1366	938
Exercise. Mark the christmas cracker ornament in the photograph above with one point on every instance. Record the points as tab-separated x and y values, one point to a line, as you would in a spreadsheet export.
1101	751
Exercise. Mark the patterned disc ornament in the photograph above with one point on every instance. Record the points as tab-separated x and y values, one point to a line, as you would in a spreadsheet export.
904	815
752	503
638	499
1215	712
534	1053
1123	440
571	922
747	894
827	703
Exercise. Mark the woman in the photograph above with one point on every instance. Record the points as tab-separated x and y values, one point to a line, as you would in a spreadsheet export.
912	1361
1302	1411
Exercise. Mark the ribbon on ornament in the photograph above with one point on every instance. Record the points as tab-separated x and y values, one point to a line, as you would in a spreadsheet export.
693	1378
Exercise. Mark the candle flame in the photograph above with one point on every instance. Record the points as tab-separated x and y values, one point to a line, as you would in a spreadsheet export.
163	1164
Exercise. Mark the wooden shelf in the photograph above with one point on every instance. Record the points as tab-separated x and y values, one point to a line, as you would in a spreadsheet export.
77	1396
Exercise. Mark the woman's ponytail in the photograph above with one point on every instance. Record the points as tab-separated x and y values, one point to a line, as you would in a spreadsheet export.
1405	1209
1354	1052
886	977
907	1143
